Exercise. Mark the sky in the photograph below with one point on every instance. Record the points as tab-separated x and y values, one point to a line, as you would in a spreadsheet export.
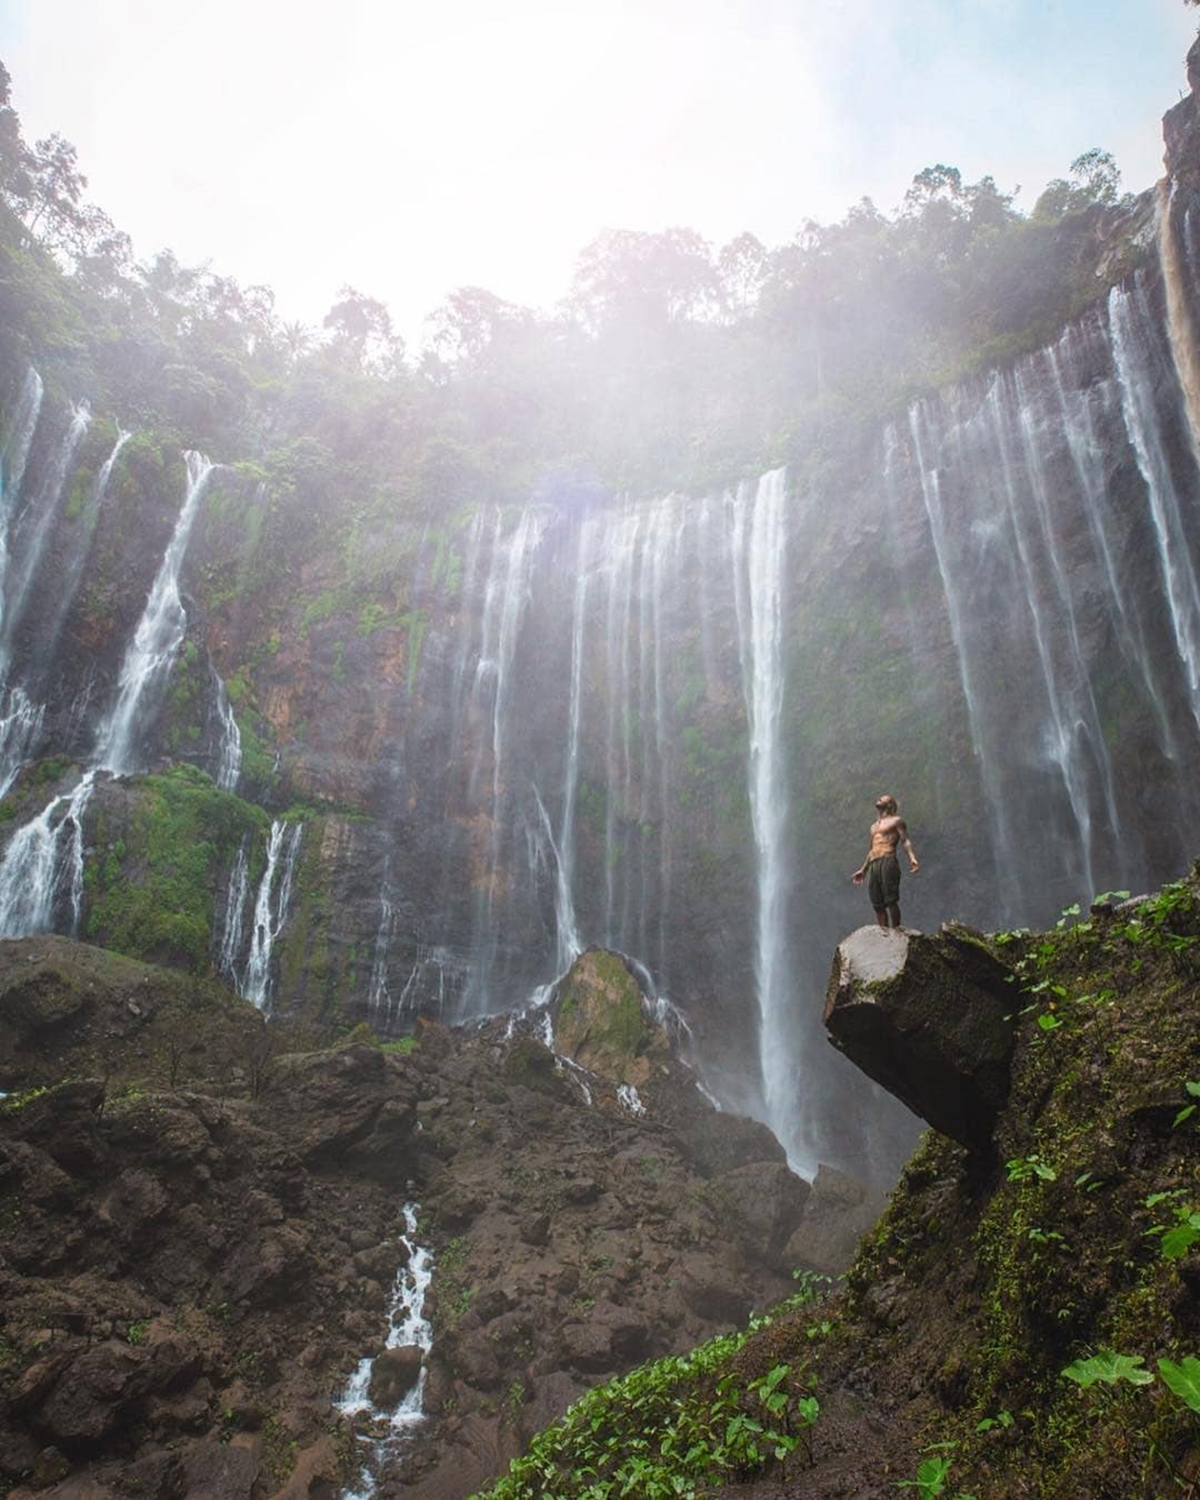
410	148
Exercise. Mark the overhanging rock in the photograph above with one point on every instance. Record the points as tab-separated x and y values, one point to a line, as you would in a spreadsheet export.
929	1018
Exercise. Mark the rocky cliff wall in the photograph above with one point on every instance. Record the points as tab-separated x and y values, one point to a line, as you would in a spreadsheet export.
512	730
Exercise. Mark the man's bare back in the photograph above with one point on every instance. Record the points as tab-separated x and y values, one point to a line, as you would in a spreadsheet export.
888	832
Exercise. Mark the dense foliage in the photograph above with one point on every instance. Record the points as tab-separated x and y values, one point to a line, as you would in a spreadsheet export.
670	363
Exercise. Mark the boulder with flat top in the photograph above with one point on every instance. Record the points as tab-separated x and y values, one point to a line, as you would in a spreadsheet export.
931	1019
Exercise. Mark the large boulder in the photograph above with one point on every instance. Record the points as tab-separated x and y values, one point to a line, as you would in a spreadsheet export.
393	1375
601	1021
765	1203
839	1211
929	1018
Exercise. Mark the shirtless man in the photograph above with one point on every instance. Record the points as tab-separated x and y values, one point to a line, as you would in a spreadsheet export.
881	868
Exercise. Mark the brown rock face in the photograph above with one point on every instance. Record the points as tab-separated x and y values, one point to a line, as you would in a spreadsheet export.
838	1212
1181	128
929	1018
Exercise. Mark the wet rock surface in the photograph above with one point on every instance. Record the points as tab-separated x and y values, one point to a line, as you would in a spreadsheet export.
189	1275
929	1018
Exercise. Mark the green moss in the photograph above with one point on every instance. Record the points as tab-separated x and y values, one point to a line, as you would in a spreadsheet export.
152	888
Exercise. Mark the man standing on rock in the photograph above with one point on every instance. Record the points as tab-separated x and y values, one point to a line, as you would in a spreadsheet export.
881	868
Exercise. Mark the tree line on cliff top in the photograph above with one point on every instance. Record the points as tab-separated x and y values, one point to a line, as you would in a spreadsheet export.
670	364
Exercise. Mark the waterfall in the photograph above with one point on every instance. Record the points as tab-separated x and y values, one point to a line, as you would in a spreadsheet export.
379	1000
20	727
229	752
156	641
505	598
28	536
15	453
957	608
568	946
270	911
758	559
1072	731
408	1327
68	563
13	458
235	906
1132	344
43	866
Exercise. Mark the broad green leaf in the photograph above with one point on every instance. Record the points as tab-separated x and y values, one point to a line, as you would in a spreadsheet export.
1179	1241
1183	1379
1110	1368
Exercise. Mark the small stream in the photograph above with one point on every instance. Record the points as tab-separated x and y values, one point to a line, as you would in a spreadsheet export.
381	1430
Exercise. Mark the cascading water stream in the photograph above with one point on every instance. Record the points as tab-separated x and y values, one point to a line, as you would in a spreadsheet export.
271	908
235	905
567	939
379	1000
229	752
68	567
758	559
1062	742
1131	344
42	869
408	1327
956	605
504	604
28	536
13	459
156	641
20	728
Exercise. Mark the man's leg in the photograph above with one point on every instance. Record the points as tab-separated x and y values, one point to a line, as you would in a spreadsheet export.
881	916
893	911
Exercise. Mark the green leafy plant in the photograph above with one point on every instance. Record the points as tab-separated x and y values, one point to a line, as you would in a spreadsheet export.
1182	1379
1001	1419
932	1474
1188	1110
1022	1168
1110	1368
669	1428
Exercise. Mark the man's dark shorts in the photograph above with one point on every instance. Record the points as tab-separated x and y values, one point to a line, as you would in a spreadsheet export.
883	881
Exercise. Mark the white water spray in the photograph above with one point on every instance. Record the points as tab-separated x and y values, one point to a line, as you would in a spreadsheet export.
157	639
270	911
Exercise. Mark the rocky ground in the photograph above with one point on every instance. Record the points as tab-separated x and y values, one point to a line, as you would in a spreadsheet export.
199	1232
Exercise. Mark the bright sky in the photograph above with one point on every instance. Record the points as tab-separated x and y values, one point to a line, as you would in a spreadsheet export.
408	148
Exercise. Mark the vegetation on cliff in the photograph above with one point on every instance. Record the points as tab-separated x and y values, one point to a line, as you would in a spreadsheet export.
1023	1323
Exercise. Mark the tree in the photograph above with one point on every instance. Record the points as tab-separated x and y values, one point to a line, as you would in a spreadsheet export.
55	189
1095	179
473	322
741	266
362	327
629	276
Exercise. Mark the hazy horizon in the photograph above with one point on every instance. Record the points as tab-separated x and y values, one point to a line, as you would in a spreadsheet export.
407	153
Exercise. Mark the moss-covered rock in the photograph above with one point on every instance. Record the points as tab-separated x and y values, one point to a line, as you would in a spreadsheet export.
601	1023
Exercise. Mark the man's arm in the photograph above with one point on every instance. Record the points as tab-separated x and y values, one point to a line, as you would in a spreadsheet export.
861	873
902	828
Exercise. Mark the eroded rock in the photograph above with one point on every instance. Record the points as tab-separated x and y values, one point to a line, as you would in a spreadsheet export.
931	1020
